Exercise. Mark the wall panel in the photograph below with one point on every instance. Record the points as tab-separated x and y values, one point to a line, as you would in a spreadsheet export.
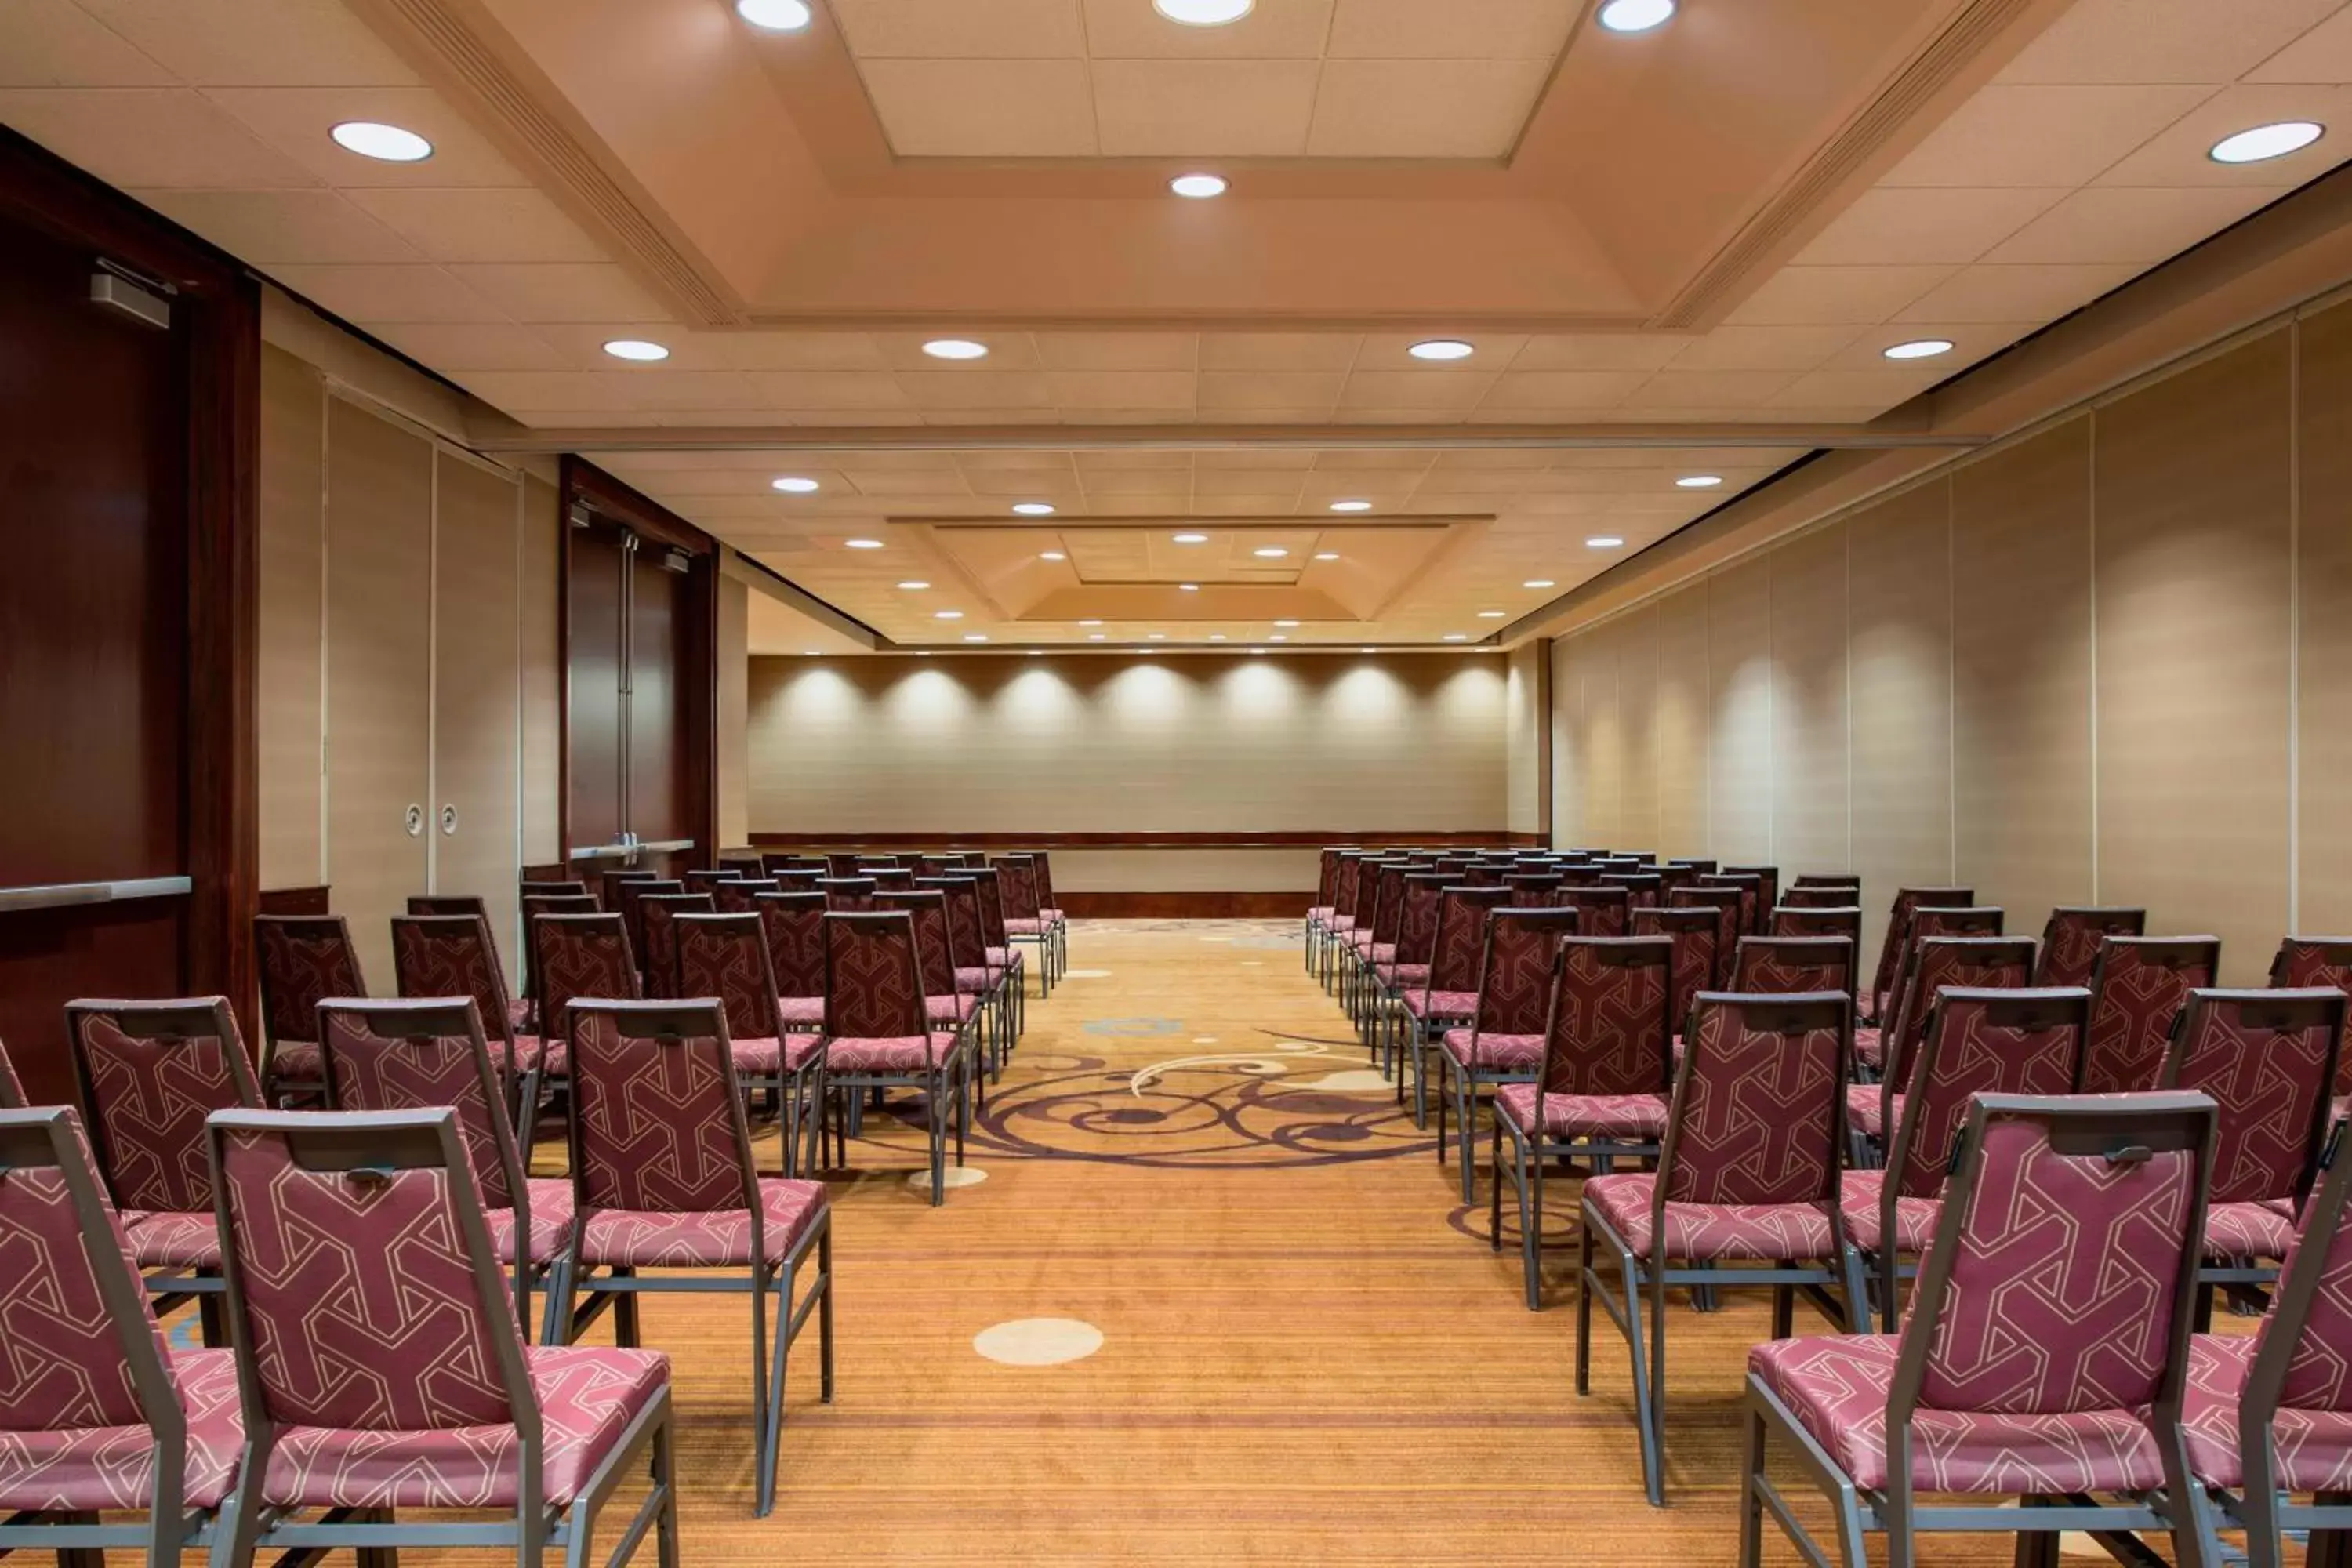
1739	673
1604	741
1637	722
2324	578
1810	822
1899	605
1568	750
1684	762
542	672
289	714
477	689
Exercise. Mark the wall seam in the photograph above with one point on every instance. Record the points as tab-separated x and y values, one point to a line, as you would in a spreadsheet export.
2090	511
433	668
2294	626
326	646
1951	678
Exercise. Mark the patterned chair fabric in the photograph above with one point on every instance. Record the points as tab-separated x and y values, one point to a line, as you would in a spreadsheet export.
1017	878
1416	937
302	959
628	898
849	895
2137	989
1750	889
1725	903
2303	962
1693	932
656	913
1457	956
11	1087
934	957
795	924
734	895
1768	887
1602	910
1514	989
1802	897
2072	938
579	957
1609	1027
1898	932
1643	890
967	934
1929	922
1826	920
1983	962
452	955
725	957
552	890
2268	1059
1787	964
874	987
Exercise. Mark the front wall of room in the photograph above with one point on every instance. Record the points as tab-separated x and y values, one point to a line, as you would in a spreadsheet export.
2109	662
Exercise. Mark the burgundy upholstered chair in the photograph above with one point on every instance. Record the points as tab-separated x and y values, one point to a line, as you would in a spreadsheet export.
795	922
2137	989
1821	919
1503	1041
1826	879
1725	903
2044	1355
1049	911
1926	921
1976	963
1356	940
773	864
2070	942
1600	1091
734	895
1415	946
577	956
1643	890
968	952
841	863
1783	965
703	880
1318	913
2303	962
149	1073
1449	996
1767	889
534	906
627	892
451	955
96	1415
1693	932
1016	879
1837	896
552	889
1750	889
301	959
379	1362
449	904
1748	1174
1898	932
946	1005
1977	1042
1001	953
655	913
727	957
1603	910
1342	919
418	1055
663	1178
2269	1059
879	1036
848	895
1373	944
1530	889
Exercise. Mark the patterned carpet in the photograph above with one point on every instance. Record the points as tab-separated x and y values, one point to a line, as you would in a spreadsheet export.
1291	1346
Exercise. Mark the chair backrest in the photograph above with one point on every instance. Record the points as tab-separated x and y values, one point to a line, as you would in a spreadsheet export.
1698	865
302	958
576	956
1725	903
1515	975
552	890
11	1087
932	865
992	903
1643	890
1327	876
1610	1023
448	904
1928	921
1461	945
935	959
1787	964
842	862
1831	898
1388	902
1826	879
1343	881
1899	929
1982	962
1979	1042
774	864
84	1351
1603	909
849	895
2303	1349
362	1290
702	881
417	1055
656	913
2071	938
873	977
1693	932
889	879
538	904
1417	914
967	943
2137	989
1533	889
1750	889
451	955
2308	960
2061	1274
1768	887
1759	1113
734	895
150	1072
1016	877
658	1123
795	924
1819	920
2268	1059
725	957
629	898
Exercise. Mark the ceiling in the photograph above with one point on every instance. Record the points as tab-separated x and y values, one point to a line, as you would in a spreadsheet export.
1676	253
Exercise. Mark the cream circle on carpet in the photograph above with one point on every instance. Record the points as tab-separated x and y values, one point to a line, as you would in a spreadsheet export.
1204	1039
1356	1080
1038	1342
958	1176
1085	974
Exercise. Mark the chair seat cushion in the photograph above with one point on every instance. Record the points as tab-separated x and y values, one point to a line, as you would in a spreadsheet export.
1865	1109
1427	1004
550	1221
978	980
1382	953
801	1009
521	1015
1836	1388
1002	957
905	1053
956	1009
1053	917
1860	1194
1024	925
1625	1118
1758	1233
298	1062
1399	974
2314	1447
93	1468
587	1397
1319	914
552	1057
1485	1051
1869	1045
717	1238
801	1050
759	1057
1342	925
2264	1229
163	1239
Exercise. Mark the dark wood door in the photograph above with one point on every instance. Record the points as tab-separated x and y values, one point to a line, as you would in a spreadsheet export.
595	599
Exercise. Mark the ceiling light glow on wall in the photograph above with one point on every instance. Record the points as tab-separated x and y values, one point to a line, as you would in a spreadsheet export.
1093	637
1351	506
1051	556
1188	587
1217	636
775	15
1456	637
863	543
1189	538
955	348
947	615
1327	555
1198	187
914	585
794	485
975	636
385	144
1285	623
1636	15
636	349
1090	623
1033	508
1698	481
1277	637
2267	142
1271	553
1604	541
1442	349
1204	13
1919	348
1536	583
1155	636
1490	614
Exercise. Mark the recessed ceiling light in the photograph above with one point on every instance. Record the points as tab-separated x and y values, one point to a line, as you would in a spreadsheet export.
914	585
1033	508
1285	623
2265	142
1198	187
1051	556
1698	481
1204	13
1536	583
975	636
1277	637
1189	538
636	349
1155	636
1441	348
1188	588
794	485
1636	15
955	348
774	15
1604	541
1351	506
1270	552
1090	623
947	615
386	144
1327	555
1456	637
1919	348
863	543
1490	614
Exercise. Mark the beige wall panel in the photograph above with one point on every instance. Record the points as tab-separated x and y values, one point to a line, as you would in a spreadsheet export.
731	718
1739	658
1185	870
379	693
476	691
1082	744
1604	739
1637	722
2323	760
542	672
1809	701
1569	754
2021	674
2192	495
290	636
1528	736
1682	724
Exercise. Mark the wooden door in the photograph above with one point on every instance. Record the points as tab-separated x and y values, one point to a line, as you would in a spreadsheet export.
476	678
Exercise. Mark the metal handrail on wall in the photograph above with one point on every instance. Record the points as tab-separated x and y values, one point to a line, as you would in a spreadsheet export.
70	895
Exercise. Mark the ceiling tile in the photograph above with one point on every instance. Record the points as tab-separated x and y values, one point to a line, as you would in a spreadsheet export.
1764	348
1231	391
149	138
2127	225
237	43
2024	293
2180	155
2032	134
1280	350
564	389
1920	227
1274	29
959	29
1118	351
2321	55
1123	389
1203	107
975	389
267	227
1971	342
561	292
1466	29
372	295
1415	389
1708	389
842	389
1006	350
297	120
55	43
985	108
480	224
453	349
1599	351
1554	389
1800	296
800	351
1423	108
2162	41
1875	389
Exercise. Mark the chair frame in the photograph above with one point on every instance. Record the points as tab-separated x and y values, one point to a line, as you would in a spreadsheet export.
1467	1076
948	1091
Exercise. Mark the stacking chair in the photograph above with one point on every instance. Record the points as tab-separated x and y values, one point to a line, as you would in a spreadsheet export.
449	904
1375	948
1408	965
839	863
579	957
656	913
1978	962
1926	923
2137	988
1768	889
975	976
1024	921
1821	919
1448	996
630	901
419	1054
1898	932
2025	1041
734	895
379	1363
1827	879
533	907
2307	960
1698	866
451	955
552	889
1318	913
2042	1358
1784	965
1725	903
1503	1041
1001	953
2269	1061
946	1005
877	1033
2070	943
96	1414
1355	943
1643	890
445	904
773	864
1693	932
705	880
795	923
1530	889
1747	1173
301	959
1607	1067
1750	889
148	1073
1050	912
725	957
1803	896
849	895
1603	910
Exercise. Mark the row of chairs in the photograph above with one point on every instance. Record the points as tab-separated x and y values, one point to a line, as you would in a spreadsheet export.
1030	913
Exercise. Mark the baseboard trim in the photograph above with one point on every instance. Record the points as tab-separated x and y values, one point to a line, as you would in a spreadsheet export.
1315	839
1184	905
